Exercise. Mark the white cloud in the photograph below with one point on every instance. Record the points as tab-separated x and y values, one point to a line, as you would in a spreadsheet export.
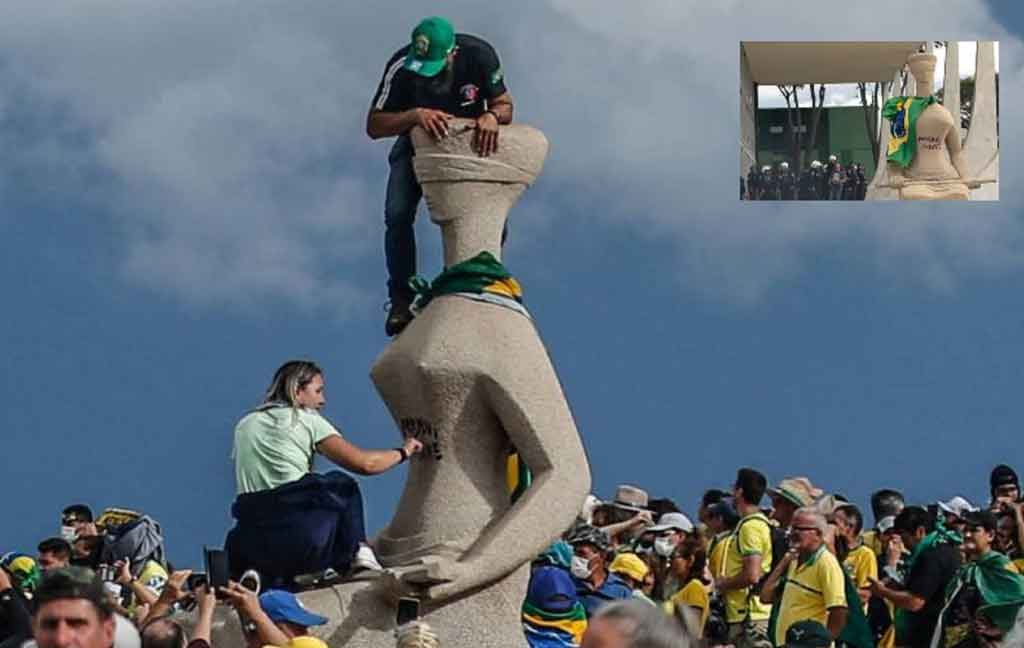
232	138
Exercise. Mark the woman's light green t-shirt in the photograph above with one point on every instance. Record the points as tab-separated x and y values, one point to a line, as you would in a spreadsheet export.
275	446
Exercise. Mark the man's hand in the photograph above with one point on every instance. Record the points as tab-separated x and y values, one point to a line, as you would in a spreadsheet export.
124	572
205	598
244	600
433	121
643	518
485	139
174	589
875	587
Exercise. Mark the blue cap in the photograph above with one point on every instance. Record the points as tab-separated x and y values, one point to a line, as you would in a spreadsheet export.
551	589
283	606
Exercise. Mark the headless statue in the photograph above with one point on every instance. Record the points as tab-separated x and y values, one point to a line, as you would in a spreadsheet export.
938	170
472	380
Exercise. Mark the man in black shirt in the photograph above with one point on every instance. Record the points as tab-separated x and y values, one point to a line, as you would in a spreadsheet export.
934	561
441	75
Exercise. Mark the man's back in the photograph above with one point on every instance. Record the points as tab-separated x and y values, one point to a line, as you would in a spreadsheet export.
928	577
475	77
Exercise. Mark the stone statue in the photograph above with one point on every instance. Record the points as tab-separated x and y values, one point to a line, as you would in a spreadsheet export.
472	380
938	170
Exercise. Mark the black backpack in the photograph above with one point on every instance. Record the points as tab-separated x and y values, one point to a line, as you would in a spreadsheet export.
780	545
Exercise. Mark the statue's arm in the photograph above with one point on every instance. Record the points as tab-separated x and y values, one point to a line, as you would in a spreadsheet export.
956	152
527	398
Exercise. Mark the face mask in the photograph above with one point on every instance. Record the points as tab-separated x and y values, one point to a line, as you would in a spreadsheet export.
664	547
68	533
580	568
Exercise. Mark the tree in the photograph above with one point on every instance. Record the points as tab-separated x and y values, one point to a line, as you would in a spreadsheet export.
871	112
967	99
795	124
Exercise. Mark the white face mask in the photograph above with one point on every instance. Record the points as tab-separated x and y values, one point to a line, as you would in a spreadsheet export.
68	533
664	547
580	568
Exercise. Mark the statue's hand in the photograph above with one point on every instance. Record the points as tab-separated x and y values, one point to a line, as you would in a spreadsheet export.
430	578
974	185
898	181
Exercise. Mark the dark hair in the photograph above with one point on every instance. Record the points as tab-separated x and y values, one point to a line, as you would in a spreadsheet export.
693	547
752	483
77	513
58	546
1002	475
712	496
163	632
984	519
662	506
913	518
73	583
886	502
852	512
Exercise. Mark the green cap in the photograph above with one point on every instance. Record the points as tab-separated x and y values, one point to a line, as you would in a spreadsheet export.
432	41
808	634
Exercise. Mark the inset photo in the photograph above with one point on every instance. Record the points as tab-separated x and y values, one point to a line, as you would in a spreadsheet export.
886	120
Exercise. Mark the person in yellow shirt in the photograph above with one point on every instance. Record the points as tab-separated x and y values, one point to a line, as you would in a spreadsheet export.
815	588
747	558
860	561
721	519
688	562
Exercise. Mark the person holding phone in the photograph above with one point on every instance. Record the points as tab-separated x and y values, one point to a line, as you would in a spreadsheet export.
292	521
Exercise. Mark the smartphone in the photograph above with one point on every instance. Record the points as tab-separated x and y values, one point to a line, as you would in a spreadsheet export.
408	610
196	579
216	563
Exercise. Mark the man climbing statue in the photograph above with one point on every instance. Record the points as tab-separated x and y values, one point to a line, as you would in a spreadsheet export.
439	76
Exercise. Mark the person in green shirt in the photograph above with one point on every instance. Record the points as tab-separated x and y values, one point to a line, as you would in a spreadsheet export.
314	522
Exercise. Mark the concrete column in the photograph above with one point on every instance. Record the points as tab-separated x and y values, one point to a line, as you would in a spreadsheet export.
951	83
982	147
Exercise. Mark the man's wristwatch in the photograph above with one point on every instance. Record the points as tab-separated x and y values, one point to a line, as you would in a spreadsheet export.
405	454
493	114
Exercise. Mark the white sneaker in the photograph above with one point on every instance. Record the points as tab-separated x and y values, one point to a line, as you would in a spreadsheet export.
366	559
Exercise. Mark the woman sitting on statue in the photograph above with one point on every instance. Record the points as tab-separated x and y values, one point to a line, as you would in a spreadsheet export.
290	520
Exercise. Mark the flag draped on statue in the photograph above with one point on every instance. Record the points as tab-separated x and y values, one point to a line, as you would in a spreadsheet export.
902	113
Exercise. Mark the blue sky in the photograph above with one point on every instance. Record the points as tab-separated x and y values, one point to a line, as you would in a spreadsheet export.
188	199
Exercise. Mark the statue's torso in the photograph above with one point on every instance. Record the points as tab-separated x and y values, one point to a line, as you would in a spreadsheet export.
433	378
931	158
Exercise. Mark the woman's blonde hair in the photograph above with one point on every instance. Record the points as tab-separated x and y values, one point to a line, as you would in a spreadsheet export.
289	379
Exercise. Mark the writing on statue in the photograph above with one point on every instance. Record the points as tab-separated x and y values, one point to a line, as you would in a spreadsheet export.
930	143
424	432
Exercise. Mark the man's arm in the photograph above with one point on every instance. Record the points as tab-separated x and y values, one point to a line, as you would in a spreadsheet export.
902	599
749	575
380	123
837	620
771	583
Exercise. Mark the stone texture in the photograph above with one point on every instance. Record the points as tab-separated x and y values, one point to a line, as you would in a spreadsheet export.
982	147
471	380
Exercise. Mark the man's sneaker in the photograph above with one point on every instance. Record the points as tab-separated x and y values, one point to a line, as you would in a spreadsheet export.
250	580
365	559
399	316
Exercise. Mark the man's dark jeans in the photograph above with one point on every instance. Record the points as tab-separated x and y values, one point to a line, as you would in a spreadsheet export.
403	197
400	203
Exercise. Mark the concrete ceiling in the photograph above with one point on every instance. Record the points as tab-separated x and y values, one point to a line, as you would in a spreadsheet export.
789	63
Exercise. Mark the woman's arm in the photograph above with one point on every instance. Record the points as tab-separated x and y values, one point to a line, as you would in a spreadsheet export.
364	462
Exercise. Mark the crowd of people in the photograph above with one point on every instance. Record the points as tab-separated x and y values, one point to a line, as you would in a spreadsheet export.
105	583
791	565
829	181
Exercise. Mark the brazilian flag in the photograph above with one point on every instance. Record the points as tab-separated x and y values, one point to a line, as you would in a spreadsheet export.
902	113
517	476
478	275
